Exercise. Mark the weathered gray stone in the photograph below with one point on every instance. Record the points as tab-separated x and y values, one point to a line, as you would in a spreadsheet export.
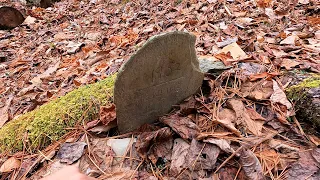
162	73
209	64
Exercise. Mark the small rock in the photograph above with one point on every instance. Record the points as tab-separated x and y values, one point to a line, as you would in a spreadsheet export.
211	64
29	20
93	36
120	146
73	47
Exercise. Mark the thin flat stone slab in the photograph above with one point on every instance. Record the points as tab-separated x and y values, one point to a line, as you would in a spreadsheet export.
10	17
162	73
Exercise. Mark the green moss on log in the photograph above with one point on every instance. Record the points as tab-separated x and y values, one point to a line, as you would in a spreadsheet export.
305	97
48	123
297	92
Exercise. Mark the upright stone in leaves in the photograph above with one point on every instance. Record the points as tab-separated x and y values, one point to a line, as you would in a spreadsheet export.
161	74
10	17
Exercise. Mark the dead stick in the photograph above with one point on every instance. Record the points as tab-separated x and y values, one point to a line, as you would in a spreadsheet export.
225	161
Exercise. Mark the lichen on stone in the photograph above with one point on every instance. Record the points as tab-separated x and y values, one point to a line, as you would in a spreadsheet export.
38	128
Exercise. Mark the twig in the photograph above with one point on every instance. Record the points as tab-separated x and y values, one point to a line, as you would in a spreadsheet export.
127	150
235	177
96	165
194	162
45	157
136	169
225	161
295	120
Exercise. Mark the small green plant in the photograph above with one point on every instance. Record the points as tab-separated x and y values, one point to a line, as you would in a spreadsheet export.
178	2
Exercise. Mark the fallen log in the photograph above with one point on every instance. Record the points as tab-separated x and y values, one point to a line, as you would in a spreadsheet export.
304	92
38	128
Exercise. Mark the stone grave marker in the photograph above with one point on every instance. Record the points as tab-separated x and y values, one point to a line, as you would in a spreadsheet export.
162	73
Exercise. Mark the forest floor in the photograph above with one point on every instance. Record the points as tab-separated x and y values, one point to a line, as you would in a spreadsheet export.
75	43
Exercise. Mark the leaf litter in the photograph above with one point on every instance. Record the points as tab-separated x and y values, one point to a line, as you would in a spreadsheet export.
240	129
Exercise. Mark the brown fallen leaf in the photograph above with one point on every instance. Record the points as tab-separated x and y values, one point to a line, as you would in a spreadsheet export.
161	150
183	126
219	135
10	164
223	144
235	51
252	68
60	36
229	172
189	106
148	140
226	58
102	128
254	115
107	114
258	90
71	152
307	167
102	151
202	155
282	118
264	75
313	20
243	118
263	3
36	81
289	64
290	40
178	158
226	42
227	118
279	96
251	165
121	173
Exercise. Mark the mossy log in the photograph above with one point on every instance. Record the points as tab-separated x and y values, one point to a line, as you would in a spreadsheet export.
305	93
40	127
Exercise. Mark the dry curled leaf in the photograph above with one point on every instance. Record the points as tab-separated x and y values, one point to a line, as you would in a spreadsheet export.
183	126
307	167
147	140
71	152
107	114
251	165
279	96
289	64
178	158
202	155
10	165
243	119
